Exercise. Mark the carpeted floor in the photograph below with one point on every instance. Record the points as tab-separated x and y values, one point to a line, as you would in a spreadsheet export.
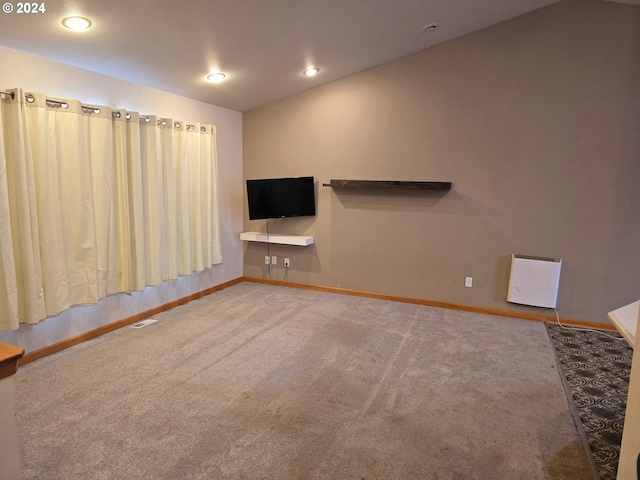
266	382
597	368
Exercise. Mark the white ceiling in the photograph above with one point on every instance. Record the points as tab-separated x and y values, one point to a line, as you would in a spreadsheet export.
262	45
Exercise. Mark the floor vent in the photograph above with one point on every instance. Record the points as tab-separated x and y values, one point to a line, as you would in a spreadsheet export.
144	323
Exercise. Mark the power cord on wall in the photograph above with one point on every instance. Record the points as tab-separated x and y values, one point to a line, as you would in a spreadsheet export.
286	267
606	334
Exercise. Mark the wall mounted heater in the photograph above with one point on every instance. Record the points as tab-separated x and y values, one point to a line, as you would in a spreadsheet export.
534	281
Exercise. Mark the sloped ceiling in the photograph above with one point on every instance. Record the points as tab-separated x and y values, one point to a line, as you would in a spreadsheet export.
261	45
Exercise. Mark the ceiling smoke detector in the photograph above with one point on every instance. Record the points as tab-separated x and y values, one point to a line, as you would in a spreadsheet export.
429	28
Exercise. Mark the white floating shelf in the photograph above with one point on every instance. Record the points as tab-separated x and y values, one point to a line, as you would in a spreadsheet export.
276	238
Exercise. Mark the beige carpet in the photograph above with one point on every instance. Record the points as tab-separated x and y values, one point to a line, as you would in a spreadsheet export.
266	382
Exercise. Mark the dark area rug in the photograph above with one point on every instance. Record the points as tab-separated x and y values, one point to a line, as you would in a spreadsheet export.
597	367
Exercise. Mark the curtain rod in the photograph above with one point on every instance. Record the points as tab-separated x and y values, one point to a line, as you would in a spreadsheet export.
30	98
163	123
118	114
58	104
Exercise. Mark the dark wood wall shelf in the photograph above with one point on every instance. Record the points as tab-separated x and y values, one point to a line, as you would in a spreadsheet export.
388	184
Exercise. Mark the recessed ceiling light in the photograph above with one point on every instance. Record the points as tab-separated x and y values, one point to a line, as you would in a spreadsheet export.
76	23
310	72
429	28
216	77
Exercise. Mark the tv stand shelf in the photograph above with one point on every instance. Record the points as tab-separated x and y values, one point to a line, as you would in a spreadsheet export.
299	240
388	184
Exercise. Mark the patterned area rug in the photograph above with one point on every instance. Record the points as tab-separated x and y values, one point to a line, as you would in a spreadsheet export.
597	368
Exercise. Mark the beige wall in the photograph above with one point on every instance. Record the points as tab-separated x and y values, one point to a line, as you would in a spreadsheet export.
32	73
536	121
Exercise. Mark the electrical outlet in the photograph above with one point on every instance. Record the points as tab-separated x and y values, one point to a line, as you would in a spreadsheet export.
266	259
468	282
274	260
286	262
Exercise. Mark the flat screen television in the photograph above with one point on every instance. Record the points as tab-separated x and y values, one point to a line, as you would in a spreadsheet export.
281	197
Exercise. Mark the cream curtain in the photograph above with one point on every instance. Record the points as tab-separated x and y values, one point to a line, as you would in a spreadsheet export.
96	201
128	133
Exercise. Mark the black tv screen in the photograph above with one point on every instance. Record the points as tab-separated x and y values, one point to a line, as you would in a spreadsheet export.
281	197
